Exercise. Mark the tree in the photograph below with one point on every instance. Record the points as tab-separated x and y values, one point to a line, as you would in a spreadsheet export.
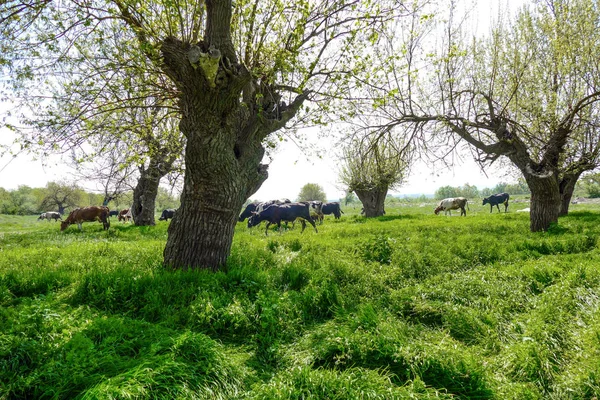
312	191
529	93
236	73
60	196
370	167
446	192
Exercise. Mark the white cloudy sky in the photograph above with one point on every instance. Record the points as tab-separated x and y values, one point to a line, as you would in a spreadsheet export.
290	168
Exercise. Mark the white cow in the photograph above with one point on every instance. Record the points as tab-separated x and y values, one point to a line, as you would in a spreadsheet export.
453	203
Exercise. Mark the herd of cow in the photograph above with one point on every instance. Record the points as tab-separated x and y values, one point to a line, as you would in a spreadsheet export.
273	212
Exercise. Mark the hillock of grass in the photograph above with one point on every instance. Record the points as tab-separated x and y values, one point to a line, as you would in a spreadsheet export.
409	305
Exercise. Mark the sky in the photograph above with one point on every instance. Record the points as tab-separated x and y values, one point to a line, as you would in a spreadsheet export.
290	168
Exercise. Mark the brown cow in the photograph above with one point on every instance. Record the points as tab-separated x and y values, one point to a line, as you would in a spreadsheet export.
125	215
87	214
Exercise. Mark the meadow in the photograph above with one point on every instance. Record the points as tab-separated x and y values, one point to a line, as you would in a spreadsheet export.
408	305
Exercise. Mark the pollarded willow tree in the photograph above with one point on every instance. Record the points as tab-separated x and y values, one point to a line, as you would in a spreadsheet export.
529	92
238	72
372	165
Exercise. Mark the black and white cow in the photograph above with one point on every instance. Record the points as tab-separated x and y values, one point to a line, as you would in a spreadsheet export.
495	200
452	203
48	215
287	212
332	208
166	214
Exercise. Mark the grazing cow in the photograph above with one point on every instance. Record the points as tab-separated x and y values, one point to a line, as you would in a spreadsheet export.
247	213
495	200
48	215
332	208
166	214
87	214
287	212
453	203
316	210
125	215
113	213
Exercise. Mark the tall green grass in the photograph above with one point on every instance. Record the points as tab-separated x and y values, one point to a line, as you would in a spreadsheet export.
409	305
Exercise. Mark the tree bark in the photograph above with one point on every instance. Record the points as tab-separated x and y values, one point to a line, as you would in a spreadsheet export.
567	187
216	186
545	201
144	197
373	201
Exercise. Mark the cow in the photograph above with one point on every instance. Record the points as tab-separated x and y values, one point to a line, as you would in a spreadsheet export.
166	214
48	215
287	212
125	215
87	214
495	200
113	213
453	203
257	206
332	208
316	210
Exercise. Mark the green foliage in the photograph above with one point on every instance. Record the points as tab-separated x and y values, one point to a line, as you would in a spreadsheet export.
312	191
590	184
405	305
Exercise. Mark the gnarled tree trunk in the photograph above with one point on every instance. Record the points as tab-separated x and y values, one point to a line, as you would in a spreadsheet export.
373	201
144	197
545	201
567	187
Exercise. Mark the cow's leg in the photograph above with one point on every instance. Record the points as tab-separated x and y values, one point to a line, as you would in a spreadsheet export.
267	228
506	206
79	225
498	207
463	211
303	222
314	225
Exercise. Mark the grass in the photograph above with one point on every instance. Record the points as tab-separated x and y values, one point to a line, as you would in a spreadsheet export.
409	305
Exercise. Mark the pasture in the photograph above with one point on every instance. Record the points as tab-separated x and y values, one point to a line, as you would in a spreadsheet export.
408	305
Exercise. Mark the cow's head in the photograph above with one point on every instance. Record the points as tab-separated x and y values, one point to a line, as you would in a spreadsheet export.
486	200
438	209
253	220
64	225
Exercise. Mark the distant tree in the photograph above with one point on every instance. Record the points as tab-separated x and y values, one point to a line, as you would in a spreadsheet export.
60	196
165	199
468	191
23	201
371	167
6	206
591	185
312	191
349	198
445	192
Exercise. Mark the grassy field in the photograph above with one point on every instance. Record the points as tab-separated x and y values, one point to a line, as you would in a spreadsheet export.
409	305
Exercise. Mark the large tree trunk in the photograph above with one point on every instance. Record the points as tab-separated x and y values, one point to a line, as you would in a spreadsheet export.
216	186
144	197
373	202
567	187
545	201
